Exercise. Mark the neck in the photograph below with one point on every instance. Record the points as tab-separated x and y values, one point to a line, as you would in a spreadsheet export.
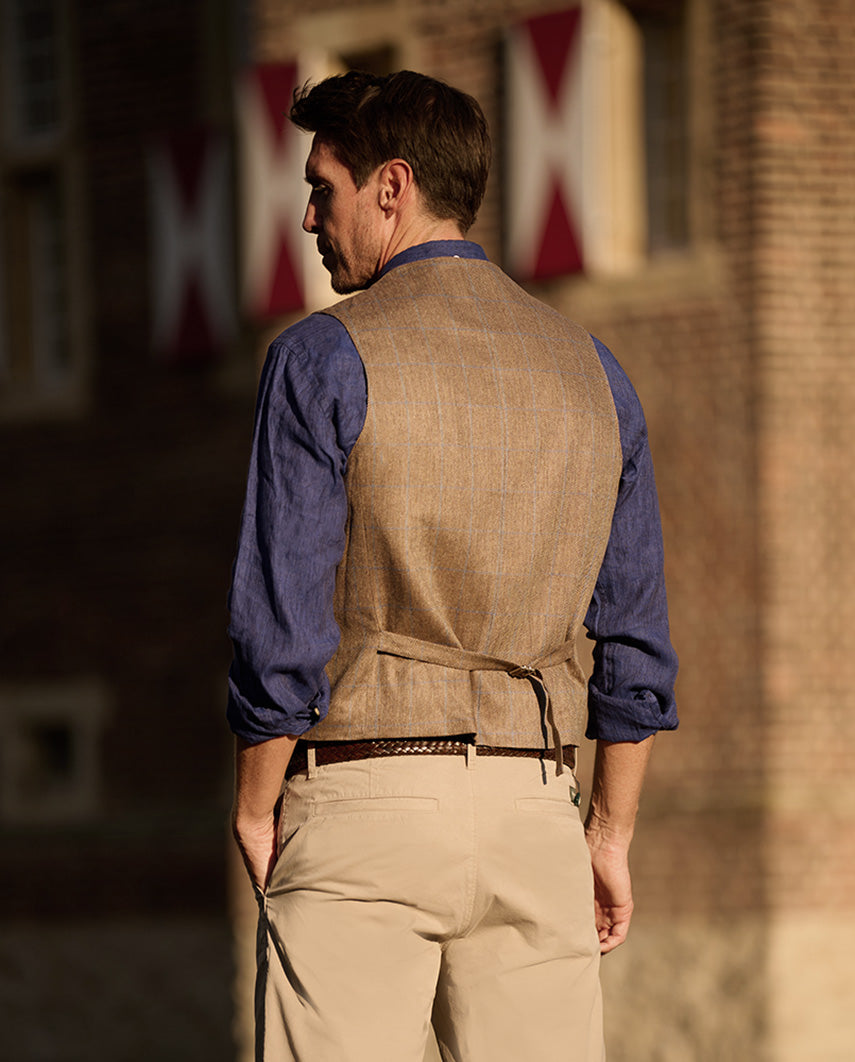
419	230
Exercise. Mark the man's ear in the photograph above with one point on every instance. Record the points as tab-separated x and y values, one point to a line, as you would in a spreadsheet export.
397	186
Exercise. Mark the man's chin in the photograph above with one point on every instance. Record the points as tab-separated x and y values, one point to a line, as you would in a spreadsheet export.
340	285
344	285
342	280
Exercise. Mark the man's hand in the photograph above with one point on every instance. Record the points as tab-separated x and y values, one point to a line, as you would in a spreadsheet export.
612	892
259	773
257	844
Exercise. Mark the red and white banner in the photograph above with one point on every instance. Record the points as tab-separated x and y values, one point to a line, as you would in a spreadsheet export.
545	148
191	254
273	192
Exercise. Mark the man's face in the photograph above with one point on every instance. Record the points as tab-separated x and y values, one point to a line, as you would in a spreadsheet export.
345	219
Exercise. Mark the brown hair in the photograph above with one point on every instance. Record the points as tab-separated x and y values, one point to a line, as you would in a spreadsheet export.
441	132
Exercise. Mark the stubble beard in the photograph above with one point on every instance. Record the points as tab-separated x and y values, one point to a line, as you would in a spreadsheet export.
355	270
341	281
345	278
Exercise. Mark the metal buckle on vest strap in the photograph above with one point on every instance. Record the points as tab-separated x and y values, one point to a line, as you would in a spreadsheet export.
524	671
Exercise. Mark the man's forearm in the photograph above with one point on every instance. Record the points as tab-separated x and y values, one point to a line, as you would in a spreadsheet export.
259	771
619	771
618	776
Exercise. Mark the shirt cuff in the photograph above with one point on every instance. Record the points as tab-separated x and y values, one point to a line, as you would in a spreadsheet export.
628	719
255	725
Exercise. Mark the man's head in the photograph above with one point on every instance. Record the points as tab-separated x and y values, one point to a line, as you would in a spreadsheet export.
400	138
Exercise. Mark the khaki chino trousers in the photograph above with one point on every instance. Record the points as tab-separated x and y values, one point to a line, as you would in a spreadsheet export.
412	889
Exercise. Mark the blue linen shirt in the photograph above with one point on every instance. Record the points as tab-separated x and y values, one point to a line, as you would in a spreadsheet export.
311	407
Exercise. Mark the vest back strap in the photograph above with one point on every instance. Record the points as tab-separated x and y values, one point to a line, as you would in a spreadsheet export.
465	660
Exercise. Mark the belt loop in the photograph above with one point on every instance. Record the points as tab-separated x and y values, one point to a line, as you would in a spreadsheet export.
311	762
470	756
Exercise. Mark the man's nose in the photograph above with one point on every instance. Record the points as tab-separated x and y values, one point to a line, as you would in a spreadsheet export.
310	218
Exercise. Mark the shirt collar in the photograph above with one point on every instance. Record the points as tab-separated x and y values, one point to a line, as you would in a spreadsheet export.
435	249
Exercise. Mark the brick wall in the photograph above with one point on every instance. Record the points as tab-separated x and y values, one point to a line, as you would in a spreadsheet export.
117	542
804	265
116	558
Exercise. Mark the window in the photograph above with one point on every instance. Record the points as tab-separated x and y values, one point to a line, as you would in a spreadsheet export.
32	37
574	153
41	301
368	38
49	769
597	159
37	240
378	60
662	24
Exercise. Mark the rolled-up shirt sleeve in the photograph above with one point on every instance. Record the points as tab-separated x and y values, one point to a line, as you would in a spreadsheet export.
631	689
310	410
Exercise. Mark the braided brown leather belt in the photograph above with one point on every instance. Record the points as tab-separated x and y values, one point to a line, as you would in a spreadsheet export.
327	752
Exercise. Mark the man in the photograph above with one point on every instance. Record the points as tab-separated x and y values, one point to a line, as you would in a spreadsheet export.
447	479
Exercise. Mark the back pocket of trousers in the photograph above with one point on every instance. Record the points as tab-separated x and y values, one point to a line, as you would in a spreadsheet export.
371	806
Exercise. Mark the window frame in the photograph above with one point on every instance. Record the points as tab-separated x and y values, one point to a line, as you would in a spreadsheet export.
41	310
30	793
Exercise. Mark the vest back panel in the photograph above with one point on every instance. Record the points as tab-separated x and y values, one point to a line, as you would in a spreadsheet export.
481	493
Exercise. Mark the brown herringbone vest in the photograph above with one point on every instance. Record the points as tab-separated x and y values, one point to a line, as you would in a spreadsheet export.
481	493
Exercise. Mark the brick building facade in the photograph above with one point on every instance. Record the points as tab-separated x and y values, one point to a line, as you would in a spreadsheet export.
122	480
729	307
